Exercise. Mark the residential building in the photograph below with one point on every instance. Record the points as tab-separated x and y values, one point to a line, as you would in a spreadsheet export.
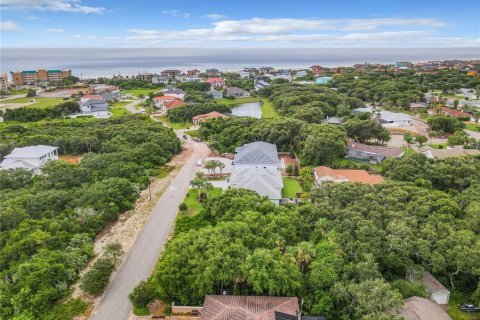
301	73
161	100
227	307
215	94
403	64
174	92
105	91
371	154
451	112
30	158
415	106
447	153
212	72
323	80
417	308
35	77
175	103
95	107
159	79
193	73
244	74
256	167
192	79
436	290
363	110
287	77
333	120
216	82
237	92
207	116
259	84
170	74
266	70
394	119
145	76
3	82
323	174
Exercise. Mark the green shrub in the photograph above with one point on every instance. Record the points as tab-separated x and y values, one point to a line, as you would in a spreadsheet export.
183	206
142	295
409	289
96	279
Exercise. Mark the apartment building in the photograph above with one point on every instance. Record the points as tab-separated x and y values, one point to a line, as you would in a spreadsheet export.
34	77
3	82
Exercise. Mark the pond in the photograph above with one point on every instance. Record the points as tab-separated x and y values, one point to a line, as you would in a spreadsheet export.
251	109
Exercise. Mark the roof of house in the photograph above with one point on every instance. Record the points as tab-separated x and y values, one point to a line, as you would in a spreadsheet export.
361	176
257	153
388	152
212	80
91	96
162	98
364	109
333	120
433	285
171	71
215	93
416	308
394	116
267	182
455	113
174	104
234	90
91	102
249	308
449	152
173	91
210	115
30	152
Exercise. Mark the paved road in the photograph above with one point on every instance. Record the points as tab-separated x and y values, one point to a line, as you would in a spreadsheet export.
131	107
473	134
141	259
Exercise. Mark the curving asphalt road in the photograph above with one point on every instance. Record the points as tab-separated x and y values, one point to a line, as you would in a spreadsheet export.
141	259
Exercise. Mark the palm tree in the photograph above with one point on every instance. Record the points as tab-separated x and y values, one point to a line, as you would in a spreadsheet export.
210	166
221	166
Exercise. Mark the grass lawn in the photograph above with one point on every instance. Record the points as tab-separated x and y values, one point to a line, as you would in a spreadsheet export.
118	104
268	111
141	311
137	92
232	102
193	133
408	151
191	200
472	127
453	310
437	146
15	92
290	187
174	125
119	112
39	101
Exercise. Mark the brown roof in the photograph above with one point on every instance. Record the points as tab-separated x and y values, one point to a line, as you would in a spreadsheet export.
210	115
174	104
452	112
433	285
361	176
416	308
389	152
451	152
248	307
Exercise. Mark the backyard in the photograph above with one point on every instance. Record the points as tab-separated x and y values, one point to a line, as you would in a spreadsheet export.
174	125
291	187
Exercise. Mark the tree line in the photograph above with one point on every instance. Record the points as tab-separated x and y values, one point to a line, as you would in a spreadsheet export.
48	222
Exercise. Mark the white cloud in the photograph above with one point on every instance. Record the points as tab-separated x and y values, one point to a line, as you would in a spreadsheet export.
75	6
9	26
214	16
177	13
54	30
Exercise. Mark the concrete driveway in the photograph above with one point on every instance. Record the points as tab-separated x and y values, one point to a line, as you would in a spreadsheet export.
140	261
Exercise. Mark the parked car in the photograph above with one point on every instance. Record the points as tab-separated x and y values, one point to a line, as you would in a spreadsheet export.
469	307
199	162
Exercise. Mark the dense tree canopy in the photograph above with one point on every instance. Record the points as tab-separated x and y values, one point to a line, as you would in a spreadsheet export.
35	114
186	112
48	222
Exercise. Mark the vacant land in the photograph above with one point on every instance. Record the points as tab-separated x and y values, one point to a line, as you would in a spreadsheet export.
118	112
39	102
119	103
291	187
193	204
268	111
174	125
232	102
137	92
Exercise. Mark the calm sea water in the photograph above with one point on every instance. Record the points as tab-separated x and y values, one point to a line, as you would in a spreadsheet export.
106	62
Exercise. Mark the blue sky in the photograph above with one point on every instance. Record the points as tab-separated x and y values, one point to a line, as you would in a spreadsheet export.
246	23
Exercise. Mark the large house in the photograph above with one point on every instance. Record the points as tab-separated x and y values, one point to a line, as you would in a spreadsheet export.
363	110
324	174
395	119
193	73
451	112
159	79
30	158
105	91
165	103
371	154
212	72
215	94
97	108
174	92
216	82
260	84
250	307
237	92
161	100
256	167
170	74
207	116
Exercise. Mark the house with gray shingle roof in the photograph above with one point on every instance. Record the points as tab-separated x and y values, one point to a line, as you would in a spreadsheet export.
257	154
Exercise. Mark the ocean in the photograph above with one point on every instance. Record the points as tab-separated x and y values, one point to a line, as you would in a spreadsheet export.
96	62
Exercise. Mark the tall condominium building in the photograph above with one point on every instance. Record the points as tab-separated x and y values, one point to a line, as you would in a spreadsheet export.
32	77
3	82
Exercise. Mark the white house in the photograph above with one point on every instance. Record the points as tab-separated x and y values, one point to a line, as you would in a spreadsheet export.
216	82
159	79
394	119
174	92
161	100
95	107
30	158
244	74
301	73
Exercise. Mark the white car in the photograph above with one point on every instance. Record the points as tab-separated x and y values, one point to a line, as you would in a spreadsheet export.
199	162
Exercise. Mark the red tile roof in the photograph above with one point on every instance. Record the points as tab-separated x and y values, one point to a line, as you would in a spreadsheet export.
455	113
248	307
360	176
174	104
161	98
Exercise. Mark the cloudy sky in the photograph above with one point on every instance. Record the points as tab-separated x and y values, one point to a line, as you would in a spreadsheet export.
240	23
